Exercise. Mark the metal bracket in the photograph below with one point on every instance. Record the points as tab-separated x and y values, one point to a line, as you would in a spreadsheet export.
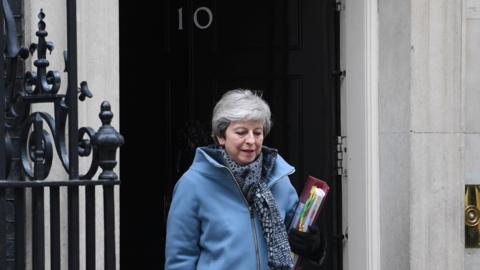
340	73
339	6
341	148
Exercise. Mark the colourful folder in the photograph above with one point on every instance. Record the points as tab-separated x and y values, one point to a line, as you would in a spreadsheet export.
309	206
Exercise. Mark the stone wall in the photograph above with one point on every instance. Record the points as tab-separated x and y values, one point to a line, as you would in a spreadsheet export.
427	140
394	132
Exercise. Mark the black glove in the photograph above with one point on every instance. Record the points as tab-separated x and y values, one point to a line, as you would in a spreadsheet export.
309	244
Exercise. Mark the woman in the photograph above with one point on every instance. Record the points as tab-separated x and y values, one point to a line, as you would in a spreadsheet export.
231	208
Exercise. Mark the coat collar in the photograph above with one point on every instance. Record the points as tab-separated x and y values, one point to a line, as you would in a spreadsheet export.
209	160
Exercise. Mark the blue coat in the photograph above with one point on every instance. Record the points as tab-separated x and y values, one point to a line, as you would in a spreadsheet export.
211	227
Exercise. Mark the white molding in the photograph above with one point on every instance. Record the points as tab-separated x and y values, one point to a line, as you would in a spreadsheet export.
372	151
359	32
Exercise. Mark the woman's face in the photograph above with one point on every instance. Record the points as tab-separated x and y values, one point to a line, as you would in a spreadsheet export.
243	141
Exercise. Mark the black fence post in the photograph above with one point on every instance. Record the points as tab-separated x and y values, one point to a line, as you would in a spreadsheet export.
3	233
73	203
90	235
107	140
55	228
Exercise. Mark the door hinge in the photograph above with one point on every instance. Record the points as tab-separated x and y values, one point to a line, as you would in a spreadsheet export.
342	237
339	73
339	6
341	149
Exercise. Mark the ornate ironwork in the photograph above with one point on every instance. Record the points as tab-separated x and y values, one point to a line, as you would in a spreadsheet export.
28	141
107	140
42	86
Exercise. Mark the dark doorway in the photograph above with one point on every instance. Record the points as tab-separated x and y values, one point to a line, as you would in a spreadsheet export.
177	61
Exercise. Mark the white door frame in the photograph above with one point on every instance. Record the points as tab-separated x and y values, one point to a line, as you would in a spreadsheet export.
359	95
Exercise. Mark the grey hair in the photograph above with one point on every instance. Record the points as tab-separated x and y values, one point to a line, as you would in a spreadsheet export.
240	105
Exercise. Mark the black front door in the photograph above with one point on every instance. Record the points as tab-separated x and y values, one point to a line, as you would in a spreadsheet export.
286	49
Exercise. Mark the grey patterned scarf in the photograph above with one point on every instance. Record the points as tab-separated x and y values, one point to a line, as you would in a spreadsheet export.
251	179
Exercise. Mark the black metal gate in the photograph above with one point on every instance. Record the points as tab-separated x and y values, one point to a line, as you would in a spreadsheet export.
27	149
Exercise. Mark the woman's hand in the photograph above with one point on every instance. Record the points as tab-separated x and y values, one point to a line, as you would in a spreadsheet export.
310	244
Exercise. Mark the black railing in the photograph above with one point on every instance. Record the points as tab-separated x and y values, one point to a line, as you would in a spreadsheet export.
38	221
27	149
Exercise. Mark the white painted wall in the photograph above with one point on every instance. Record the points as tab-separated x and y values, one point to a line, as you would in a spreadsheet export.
98	64
471	102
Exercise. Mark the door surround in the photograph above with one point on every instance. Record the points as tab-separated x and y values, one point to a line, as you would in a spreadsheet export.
359	54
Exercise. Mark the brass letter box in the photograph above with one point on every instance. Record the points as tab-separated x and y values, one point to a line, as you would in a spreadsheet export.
472	216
